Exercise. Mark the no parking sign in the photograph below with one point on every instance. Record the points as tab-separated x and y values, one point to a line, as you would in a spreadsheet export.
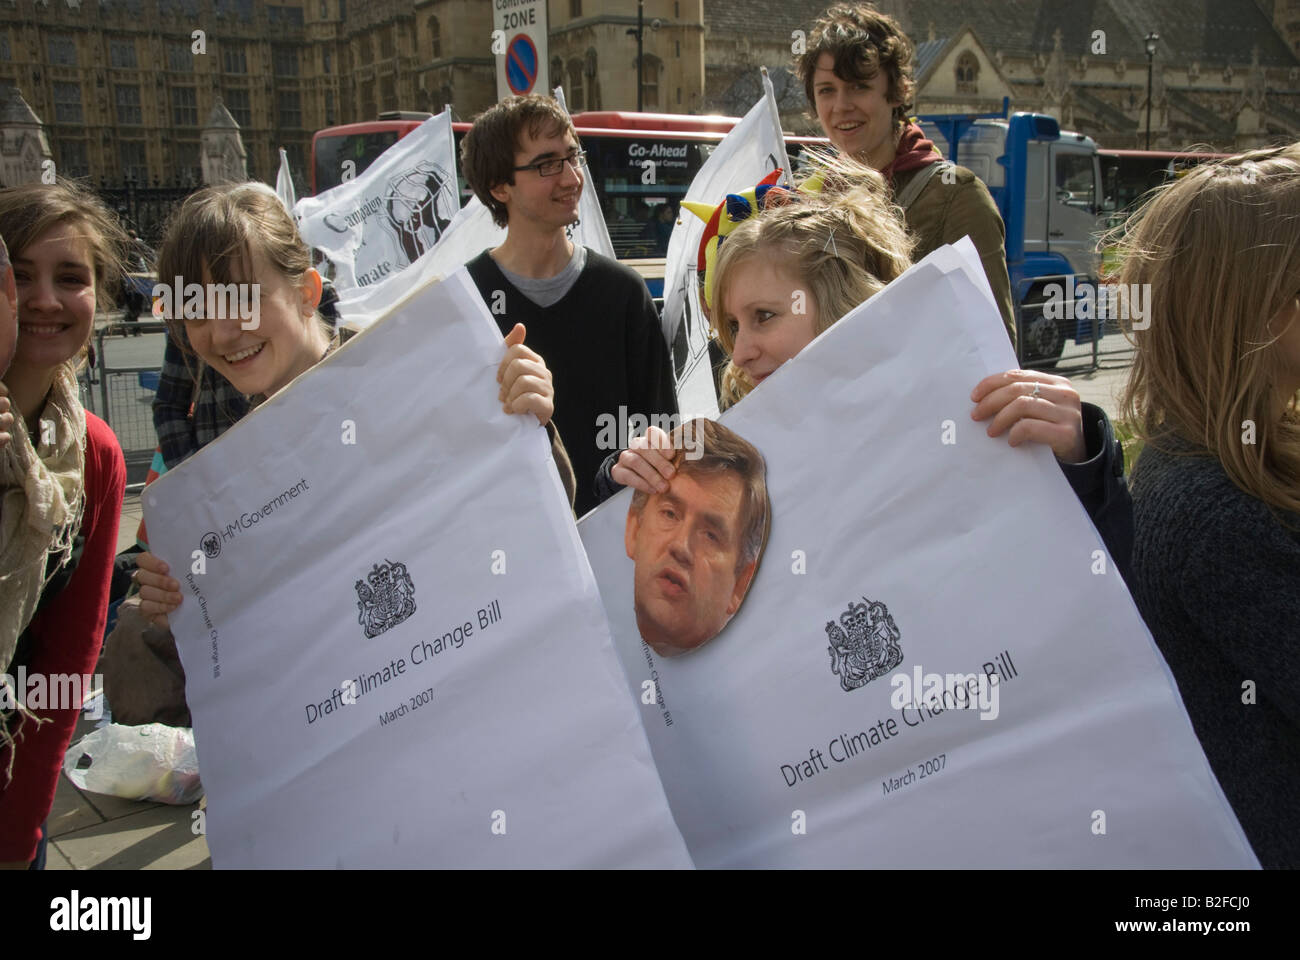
519	43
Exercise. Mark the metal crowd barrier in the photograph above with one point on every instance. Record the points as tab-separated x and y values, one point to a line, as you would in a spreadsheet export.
1029	348
1109	345
121	394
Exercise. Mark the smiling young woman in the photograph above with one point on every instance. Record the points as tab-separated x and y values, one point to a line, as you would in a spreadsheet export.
857	74
242	234
61	479
794	268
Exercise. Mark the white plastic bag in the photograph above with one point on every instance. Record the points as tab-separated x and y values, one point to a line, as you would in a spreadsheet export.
148	762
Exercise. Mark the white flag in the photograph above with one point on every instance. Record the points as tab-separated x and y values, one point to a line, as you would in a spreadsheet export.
590	230
284	183
394	650
379	223
753	149
470	232
936	664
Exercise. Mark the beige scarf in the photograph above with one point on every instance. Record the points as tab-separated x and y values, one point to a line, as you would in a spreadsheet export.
42	497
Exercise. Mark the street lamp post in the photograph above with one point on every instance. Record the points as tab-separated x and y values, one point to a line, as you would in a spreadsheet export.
638	32
1151	39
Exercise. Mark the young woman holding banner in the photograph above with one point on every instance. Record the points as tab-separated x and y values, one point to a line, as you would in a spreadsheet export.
828	254
1216	491
243	234
62	478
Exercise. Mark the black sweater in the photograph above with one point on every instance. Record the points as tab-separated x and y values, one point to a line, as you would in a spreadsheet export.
1217	578
1099	484
603	346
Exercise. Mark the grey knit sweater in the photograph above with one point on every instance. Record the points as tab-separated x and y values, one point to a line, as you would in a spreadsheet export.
1217	578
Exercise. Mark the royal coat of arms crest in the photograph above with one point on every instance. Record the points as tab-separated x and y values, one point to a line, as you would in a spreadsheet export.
865	644
388	598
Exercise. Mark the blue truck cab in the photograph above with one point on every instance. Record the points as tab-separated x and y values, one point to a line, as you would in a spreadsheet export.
1046	184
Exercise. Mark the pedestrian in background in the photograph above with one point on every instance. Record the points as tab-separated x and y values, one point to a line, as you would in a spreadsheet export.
858	75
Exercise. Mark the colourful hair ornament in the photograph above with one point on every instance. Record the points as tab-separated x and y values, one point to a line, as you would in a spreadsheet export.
738	207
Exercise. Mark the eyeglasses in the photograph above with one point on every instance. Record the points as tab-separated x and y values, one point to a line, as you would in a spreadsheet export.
549	168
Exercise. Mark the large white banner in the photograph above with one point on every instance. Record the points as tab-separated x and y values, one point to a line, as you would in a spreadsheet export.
591	229
936	664
753	149
375	225
470	232
519	43
394	649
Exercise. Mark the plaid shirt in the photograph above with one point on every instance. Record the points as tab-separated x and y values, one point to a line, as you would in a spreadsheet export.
188	417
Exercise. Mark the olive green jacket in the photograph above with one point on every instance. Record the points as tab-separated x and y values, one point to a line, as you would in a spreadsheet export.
946	212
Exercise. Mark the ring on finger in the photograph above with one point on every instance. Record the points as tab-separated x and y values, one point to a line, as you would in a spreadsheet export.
1037	389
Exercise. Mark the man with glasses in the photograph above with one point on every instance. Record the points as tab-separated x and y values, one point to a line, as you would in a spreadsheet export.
589	317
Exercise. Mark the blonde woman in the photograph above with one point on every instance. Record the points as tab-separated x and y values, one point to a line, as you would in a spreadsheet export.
1216	490
783	249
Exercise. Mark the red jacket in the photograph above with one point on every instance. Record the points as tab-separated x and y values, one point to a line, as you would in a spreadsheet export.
66	639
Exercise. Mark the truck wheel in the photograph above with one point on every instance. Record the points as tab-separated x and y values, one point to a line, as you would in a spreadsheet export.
1042	341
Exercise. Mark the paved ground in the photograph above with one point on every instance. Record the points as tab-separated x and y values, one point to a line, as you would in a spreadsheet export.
90	831
1103	386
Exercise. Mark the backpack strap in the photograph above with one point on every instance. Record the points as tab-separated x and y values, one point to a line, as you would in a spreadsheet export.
918	183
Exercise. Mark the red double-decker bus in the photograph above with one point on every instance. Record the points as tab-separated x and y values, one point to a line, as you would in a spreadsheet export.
1127	175
362	143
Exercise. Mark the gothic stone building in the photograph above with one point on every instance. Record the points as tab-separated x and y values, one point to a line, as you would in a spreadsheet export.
1226	73
128	87
124	87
